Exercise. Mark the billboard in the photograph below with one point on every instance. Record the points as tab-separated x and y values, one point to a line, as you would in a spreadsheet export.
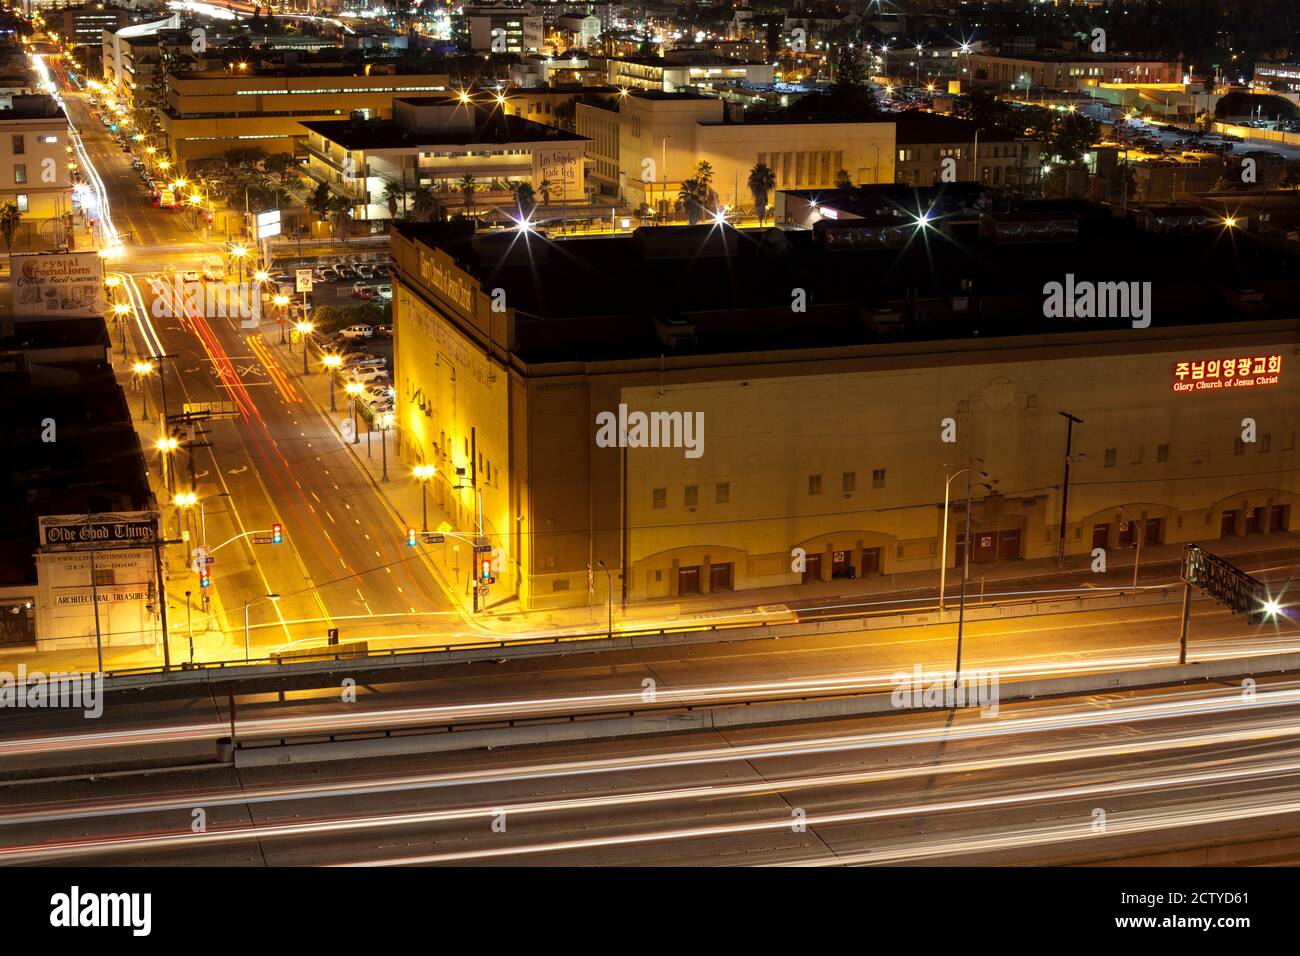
267	225
58	284
130	529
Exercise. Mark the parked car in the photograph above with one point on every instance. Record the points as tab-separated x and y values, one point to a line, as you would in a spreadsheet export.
189	275
384	291
367	375
357	332
374	361
329	274
353	357
345	271
362	291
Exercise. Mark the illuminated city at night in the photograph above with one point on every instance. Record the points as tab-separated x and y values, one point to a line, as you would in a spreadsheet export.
785	434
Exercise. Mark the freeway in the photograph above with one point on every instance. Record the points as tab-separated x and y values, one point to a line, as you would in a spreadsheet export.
1188	775
343	562
151	728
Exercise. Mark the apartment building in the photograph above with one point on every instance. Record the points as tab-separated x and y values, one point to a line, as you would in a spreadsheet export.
34	172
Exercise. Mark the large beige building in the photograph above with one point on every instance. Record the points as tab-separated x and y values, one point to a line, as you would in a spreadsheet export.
1069	71
34	172
799	445
644	144
209	113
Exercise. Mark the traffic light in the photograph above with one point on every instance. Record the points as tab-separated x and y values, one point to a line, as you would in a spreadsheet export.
205	579
410	537
277	533
485	575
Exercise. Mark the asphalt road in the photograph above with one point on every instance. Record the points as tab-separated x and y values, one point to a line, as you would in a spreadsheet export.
343	562
1190	775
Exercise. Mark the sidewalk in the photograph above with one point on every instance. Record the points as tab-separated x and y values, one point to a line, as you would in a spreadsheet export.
403	497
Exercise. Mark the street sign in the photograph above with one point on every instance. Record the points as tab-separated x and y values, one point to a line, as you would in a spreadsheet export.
345	429
263	539
302	280
267	224
433	538
482	549
483	591
212	409
1224	582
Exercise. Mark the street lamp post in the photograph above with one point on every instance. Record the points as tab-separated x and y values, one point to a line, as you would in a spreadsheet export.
304	333
141	369
167	446
1071	421
331	361
383	420
353	389
609	597
943	561
247	604
282	303
961	607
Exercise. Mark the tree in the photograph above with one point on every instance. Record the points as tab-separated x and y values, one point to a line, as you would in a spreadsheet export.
284	168
10	218
546	186
761	183
395	196
340	213
425	205
843	180
1070	137
693	196
468	186
525	199
319	203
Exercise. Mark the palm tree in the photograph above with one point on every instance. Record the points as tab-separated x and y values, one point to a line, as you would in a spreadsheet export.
394	196
423	203
546	186
468	185
843	180
524	199
10	217
340	210
693	195
761	183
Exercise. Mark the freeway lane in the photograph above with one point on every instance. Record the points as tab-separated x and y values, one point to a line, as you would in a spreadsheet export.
1102	778
612	683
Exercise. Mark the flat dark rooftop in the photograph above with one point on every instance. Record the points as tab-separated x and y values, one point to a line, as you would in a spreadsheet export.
386	134
32	106
913	128
599	298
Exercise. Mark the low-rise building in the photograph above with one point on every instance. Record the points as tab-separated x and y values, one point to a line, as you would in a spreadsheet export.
452	147
655	402
645	144
208	113
497	29
932	149
1068	71
34	170
686	71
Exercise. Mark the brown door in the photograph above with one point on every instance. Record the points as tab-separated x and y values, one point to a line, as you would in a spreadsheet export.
1100	535
841	563
812	568
1009	544
1228	524
1254	520
688	580
870	561
1127	534
1277	518
986	546
720	577
1153	533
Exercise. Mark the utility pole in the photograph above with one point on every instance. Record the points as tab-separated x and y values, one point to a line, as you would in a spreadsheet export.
965	571
1071	421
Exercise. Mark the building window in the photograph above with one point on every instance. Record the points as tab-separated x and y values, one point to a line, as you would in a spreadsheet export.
105	577
21	199
1111	455
692	496
20	145
814	484
849	481
878	478
20	172
1162	452
660	496
722	492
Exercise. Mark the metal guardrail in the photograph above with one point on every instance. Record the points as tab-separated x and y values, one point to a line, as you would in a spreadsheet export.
1053	604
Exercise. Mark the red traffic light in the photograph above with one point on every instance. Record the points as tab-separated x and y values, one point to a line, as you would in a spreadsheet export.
410	537
277	533
486	573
